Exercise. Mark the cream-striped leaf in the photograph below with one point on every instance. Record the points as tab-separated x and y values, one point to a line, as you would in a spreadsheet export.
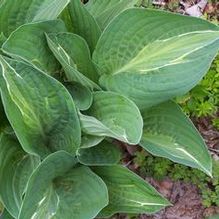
73	54
64	190
169	133
128	193
113	115
15	169
39	108
151	56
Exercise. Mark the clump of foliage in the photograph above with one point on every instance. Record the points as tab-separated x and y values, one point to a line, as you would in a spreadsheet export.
203	100
161	168
75	76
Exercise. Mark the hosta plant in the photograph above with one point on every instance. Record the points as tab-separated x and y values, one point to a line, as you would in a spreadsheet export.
73	78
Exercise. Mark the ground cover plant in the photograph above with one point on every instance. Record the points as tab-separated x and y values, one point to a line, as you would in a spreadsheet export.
73	77
203	100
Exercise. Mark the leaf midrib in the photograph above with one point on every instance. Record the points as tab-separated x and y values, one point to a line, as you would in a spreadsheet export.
135	60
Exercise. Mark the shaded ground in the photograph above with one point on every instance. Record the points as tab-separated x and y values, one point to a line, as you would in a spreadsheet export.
210	134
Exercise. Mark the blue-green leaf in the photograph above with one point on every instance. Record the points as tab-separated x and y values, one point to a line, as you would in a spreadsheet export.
103	154
15	169
151	56
88	141
73	54
39	108
83	23
169	133
28	43
128	193
64	190
81	95
15	13
105	11
113	115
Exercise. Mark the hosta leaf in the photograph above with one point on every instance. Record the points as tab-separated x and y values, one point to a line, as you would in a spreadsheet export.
14	13
65	16
105	11
2	38
63	190
88	141
81	95
28	43
102	154
113	115
39	108
6	215
74	55
128	193
169	133
86	26
151	56
15	169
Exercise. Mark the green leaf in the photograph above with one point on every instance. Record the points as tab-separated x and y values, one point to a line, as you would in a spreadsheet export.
15	13
15	169
64	190
39	108
102	154
88	141
81	95
151	56
169	133
213	217
105	11
6	215
86	26
2	38
128	193
113	115
73	54
28	43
